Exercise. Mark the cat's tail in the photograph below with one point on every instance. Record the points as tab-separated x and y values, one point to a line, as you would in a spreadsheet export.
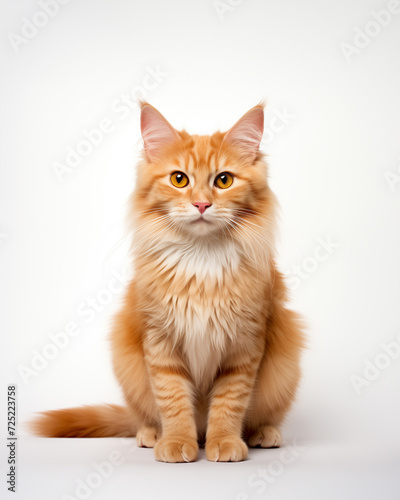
85	421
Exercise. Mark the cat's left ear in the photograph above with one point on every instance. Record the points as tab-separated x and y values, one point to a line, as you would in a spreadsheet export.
246	134
157	132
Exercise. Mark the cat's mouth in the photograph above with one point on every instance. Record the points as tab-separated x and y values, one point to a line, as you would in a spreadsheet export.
201	220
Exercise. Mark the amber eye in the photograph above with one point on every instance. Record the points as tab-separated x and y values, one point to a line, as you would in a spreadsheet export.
224	180
179	179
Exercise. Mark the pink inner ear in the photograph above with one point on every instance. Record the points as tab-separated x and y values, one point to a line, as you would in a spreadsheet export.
247	132
156	131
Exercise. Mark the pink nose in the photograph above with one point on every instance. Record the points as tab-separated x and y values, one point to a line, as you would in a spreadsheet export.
202	205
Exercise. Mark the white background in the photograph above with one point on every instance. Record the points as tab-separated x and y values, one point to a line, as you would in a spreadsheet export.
333	165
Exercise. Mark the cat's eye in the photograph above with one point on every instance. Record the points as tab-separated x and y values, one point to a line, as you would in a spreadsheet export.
179	179
224	180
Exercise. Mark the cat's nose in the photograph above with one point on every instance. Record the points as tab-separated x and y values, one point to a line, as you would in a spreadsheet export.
202	206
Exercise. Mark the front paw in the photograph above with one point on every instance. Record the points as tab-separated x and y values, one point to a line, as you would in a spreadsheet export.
176	449
227	449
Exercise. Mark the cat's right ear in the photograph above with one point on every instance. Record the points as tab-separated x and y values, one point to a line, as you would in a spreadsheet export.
156	131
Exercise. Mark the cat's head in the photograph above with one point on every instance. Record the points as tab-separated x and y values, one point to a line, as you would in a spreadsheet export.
192	186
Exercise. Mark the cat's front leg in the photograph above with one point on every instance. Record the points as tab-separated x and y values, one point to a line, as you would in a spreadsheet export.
230	400
173	392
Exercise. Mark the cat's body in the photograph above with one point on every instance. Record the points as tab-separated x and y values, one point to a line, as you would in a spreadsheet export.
204	347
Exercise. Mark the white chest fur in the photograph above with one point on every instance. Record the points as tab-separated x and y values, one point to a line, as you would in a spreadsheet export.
199	303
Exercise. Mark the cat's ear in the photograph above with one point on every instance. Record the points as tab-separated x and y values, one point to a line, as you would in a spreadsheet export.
246	134
156	131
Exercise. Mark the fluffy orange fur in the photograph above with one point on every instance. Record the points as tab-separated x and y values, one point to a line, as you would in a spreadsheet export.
205	348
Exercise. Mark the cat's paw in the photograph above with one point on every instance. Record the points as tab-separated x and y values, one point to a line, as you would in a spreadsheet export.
146	436
174	449
227	449
266	436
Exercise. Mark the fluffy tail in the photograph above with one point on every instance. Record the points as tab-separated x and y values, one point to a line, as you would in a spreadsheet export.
86	421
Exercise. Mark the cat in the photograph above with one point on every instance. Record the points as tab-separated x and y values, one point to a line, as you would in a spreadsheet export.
204	348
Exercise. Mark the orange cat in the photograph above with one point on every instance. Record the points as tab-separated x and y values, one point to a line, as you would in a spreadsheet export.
204	348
